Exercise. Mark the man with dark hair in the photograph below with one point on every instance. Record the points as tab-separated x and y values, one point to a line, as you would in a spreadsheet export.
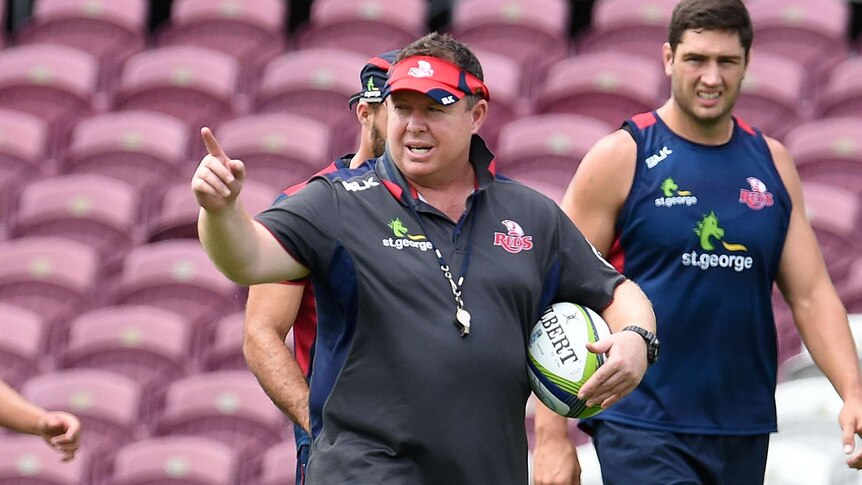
705	213
273	309
60	430
420	361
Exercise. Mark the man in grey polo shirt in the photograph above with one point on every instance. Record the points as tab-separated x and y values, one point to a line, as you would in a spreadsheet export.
429	270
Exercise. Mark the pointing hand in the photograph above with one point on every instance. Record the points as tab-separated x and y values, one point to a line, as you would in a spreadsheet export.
218	179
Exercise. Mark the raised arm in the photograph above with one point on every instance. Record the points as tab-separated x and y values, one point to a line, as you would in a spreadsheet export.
270	313
242	249
817	309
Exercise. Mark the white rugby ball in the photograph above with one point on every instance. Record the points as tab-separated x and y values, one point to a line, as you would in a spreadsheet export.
558	360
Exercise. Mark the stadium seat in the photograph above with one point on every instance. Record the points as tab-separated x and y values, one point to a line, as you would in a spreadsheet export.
771	90
609	87
851	293
175	460
193	84
367	27
26	460
177	216
530	32
842	95
109	406
316	84
279	149
149	345
23	145
635	27
835	213
227	406
279	464
828	151
98	211
55	83
504	80
250	31
111	30
141	148
547	147
225	350
178	276
55	278
812	33
22	334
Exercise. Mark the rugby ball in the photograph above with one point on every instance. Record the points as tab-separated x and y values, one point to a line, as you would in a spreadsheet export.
558	360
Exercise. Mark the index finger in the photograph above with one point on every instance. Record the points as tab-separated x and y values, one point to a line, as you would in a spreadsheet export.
212	145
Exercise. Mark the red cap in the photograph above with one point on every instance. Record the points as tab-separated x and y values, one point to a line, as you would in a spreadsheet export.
441	80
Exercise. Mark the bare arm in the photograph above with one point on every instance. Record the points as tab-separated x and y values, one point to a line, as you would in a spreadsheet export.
269	316
62	431
242	249
817	309
595	196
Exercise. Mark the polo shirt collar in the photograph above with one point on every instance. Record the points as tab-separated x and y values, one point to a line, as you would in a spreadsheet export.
484	166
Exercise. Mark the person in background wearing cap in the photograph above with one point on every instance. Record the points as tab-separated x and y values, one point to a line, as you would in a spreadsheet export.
273	309
62	431
429	271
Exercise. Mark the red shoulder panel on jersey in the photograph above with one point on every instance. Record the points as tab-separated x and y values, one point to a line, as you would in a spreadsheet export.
296	188
745	126
644	120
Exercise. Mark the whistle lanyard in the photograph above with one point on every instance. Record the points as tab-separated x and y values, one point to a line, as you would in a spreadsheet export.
462	316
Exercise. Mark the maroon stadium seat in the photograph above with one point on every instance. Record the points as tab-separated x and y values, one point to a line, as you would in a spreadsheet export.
770	94
228	406
53	277
279	149
111	30
147	344
98	211
607	86
549	147
251	31
851	293
842	95
177	216
23	145
835	213
27	460
141	148
367	27
279	464
530	32
828	151
178	276
22	334
109	406
225	351
55	83
504	80
193	84
175	460
630	26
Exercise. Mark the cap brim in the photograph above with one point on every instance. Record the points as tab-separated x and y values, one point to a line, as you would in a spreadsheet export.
432	88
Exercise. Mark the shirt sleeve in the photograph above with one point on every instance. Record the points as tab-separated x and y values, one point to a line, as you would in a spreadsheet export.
585	277
306	223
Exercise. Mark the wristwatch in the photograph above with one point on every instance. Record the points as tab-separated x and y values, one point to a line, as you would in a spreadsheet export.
651	340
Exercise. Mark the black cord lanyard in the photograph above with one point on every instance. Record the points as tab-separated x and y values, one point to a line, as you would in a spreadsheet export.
462	316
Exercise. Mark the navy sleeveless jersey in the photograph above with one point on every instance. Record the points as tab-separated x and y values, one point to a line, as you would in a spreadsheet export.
702	233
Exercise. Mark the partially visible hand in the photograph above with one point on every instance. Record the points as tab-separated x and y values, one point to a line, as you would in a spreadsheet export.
622	371
556	463
850	420
218	179
62	431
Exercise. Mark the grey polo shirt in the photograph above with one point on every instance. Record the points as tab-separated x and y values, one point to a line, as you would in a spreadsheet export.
397	395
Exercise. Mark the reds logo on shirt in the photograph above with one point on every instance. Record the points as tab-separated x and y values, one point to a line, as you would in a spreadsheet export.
514	241
758	197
